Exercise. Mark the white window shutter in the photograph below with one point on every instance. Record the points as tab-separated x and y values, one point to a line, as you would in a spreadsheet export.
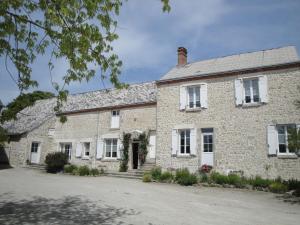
183	96
115	121
238	83
152	144
78	150
193	141
263	88
203	96
174	142
119	146
272	140
99	153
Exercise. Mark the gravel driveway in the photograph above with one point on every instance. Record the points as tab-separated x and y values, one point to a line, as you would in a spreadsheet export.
33	197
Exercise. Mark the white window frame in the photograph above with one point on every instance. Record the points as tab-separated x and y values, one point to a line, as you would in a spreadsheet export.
62	146
37	148
204	134
85	149
114	114
194	96
185	145
111	148
251	91
286	139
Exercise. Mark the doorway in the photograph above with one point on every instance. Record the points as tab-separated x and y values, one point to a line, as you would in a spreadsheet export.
135	155
35	153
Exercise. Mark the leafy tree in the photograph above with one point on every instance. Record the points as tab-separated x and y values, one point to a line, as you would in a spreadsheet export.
21	102
80	31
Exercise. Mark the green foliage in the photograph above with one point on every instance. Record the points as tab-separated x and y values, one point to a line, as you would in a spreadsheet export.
144	141
94	172
166	177
184	177
278	187
3	137
292	184
69	168
204	178
80	32
21	102
55	162
125	150
219	178
260	182
83	171
236	180
294	140
147	177
156	173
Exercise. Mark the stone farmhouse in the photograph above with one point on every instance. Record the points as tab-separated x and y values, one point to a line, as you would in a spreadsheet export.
231	112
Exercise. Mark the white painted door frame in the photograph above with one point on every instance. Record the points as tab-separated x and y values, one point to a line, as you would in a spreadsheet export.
35	153
207	157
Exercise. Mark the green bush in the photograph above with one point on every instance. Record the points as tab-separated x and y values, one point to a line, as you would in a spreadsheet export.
278	187
75	171
123	167
260	182
235	180
147	177
166	177
292	184
204	178
156	173
219	178
69	168
94	172
55	162
183	177
83	171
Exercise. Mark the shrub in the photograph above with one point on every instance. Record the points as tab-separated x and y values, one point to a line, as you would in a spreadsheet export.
260	182
83	171
235	180
156	173
75	171
166	176
147	177
277	187
123	167
55	162
292	184
69	168
102	171
219	178
94	172
184	177
203	178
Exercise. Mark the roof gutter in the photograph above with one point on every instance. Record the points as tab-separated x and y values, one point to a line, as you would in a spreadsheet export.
289	65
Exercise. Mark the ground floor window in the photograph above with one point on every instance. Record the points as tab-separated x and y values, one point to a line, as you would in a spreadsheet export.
86	149
284	132
66	148
34	147
185	141
111	148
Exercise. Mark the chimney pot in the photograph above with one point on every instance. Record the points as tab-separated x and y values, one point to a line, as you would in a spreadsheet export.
182	56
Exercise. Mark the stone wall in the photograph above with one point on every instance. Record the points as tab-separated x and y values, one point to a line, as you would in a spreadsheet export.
240	134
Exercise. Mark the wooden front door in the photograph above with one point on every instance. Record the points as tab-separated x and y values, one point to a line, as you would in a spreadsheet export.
135	155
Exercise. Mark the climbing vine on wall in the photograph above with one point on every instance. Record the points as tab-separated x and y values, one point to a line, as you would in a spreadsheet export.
144	141
125	156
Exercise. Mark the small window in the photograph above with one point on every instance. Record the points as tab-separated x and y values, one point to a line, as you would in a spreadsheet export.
66	148
86	149
111	146
115	119
251	91
34	147
185	142
193	97
284	131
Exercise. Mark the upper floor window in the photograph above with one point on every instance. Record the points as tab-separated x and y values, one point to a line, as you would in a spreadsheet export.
111	147
115	119
250	91
193	96
86	149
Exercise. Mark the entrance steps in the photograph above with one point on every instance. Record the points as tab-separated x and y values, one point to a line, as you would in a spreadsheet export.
40	167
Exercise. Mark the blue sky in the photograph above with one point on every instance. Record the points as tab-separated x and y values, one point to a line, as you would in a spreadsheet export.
149	38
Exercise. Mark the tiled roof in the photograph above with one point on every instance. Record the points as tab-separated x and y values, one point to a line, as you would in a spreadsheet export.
33	116
234	62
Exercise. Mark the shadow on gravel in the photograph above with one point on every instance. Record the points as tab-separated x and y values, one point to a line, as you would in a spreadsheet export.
69	210
289	199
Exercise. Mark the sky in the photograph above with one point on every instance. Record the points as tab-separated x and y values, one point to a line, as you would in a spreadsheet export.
148	38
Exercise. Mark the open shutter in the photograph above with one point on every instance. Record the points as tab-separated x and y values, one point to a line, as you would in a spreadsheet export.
182	103
263	88
174	142
119	146
99	153
272	140
238	83
193	141
78	150
152	144
203	96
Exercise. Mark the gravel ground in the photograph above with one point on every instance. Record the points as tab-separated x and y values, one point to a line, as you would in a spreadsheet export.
33	197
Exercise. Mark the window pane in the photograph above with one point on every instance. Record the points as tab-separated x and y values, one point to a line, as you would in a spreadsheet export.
188	132
282	148
247	99
281	138
114	154
191	97
182	149
280	129
197	90
210	147
210	139
205	147
188	149
247	84
255	90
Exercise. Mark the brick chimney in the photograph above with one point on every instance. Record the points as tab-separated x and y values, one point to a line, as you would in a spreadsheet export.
182	56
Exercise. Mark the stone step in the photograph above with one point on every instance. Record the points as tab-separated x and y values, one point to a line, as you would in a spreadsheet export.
129	174
36	167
